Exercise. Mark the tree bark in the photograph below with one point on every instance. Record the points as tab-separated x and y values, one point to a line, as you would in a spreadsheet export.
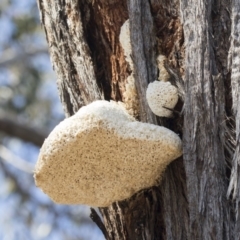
234	67
203	136
191	200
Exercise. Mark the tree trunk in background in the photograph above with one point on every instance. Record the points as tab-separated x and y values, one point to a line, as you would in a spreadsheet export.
201	42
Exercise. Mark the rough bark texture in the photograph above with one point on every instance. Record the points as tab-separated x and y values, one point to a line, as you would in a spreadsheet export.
143	52
234	67
203	136
70	54
83	36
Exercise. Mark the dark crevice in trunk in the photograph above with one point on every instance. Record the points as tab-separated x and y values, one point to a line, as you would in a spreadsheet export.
102	22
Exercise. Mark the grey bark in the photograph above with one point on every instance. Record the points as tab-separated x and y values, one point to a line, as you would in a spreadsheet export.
191	201
234	67
143	52
204	116
69	54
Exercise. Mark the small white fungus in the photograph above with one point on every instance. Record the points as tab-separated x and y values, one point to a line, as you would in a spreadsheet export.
160	96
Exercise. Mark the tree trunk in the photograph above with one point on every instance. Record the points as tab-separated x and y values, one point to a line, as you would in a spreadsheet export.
191	200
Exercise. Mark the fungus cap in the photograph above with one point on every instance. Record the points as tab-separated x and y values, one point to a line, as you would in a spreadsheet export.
159	95
102	155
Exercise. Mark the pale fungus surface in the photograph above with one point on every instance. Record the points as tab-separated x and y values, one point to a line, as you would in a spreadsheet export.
162	96
102	155
163	73
125	41
130	97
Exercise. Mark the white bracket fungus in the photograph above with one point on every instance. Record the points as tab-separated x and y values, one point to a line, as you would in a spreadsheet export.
102	155
161	96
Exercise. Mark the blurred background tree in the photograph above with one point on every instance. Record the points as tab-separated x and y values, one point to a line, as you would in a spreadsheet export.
29	109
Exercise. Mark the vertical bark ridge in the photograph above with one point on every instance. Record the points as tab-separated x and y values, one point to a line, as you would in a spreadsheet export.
72	62
203	139
143	53
234	67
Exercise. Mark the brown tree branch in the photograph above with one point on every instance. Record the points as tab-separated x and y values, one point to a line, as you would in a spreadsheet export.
22	131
